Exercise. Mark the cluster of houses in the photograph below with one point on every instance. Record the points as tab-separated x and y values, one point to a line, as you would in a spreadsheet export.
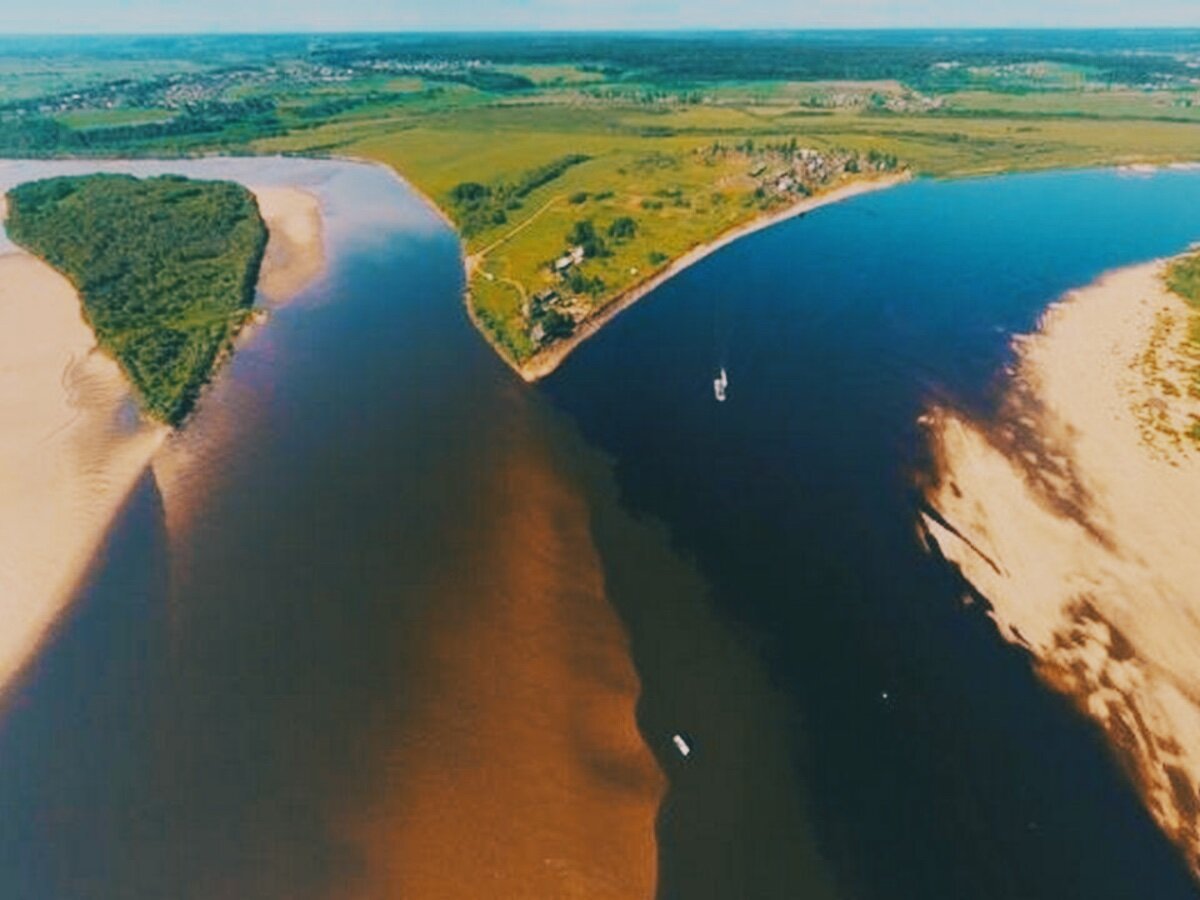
179	91
422	67
806	169
547	302
554	299
893	100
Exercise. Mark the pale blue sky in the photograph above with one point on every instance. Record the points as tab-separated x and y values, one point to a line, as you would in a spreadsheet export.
83	16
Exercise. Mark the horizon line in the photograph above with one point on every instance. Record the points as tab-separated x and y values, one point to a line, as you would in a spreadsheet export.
763	29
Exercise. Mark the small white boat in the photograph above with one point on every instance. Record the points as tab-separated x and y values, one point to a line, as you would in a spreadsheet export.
719	384
681	745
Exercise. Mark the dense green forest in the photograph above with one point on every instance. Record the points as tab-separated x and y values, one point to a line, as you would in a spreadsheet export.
166	268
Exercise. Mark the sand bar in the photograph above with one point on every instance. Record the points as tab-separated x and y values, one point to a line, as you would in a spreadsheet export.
296	247
71	450
1076	513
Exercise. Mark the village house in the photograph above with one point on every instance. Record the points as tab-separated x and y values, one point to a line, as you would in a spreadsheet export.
573	257
548	297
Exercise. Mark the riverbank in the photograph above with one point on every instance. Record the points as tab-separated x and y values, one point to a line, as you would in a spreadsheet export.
550	358
295	253
72	442
71	449
1075	512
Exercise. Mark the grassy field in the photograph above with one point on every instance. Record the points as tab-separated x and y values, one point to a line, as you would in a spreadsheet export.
84	119
677	190
635	149
652	162
166	268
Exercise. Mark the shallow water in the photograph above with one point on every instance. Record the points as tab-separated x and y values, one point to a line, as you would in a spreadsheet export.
358	627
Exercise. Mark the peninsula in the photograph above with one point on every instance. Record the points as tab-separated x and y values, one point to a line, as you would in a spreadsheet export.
1074	514
588	319
612	247
582	170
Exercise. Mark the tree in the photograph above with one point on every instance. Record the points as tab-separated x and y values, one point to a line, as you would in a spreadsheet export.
583	234
622	229
469	192
557	325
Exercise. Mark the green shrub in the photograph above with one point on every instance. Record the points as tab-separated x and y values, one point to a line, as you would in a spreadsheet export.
622	229
583	234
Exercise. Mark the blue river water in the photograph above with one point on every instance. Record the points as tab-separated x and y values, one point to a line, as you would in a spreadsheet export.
936	765
212	706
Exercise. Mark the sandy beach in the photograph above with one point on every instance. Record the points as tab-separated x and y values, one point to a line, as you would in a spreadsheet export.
547	360
1076	514
296	248
71	450
72	445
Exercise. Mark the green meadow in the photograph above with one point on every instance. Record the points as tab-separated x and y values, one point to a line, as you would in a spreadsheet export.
646	146
650	162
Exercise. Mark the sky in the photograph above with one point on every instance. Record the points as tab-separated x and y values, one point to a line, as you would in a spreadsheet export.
143	16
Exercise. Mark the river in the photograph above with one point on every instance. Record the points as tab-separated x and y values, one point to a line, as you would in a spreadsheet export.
379	622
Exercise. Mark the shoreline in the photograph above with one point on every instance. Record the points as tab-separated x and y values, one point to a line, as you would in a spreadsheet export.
74	442
71	452
295	254
1073	514
545	361
427	200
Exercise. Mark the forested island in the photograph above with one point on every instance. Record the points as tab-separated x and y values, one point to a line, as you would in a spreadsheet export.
166	268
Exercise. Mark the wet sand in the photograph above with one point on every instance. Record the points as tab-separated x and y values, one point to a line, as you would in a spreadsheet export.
72	444
71	449
1076	514
295	250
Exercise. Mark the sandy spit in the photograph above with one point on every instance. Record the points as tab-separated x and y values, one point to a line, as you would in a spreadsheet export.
296	246
71	449
1076	513
546	361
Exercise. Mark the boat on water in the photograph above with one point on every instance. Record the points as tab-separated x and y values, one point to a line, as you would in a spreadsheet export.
681	745
719	384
